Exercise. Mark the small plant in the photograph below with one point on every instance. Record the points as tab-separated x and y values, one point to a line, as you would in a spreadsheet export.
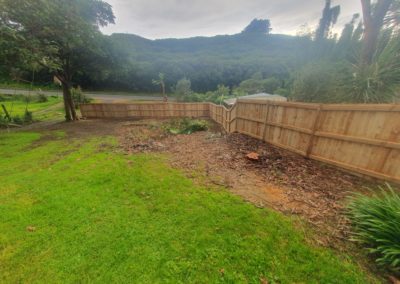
41	98
17	120
3	121
376	223
28	117
78	97
186	126
27	98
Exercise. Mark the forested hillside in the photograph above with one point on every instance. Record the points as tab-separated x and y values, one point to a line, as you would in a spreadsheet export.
206	61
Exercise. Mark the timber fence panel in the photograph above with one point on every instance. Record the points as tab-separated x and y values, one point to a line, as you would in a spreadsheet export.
145	110
360	138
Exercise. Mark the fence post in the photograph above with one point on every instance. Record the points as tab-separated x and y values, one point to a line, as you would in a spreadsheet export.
265	123
229	120
313	131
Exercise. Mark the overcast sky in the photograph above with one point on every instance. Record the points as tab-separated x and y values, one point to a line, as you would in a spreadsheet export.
155	19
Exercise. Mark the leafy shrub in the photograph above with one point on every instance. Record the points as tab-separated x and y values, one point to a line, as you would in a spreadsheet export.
17	120
41	98
28	117
376	223
322	82
26	98
186	126
183	89
79	97
3	121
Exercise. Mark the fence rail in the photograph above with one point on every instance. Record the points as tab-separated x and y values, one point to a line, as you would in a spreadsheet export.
363	139
146	110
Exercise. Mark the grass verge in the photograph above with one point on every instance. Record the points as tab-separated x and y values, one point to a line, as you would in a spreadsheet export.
49	110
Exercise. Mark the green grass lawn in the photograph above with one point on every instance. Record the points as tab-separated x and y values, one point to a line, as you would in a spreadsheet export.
80	211
51	109
26	86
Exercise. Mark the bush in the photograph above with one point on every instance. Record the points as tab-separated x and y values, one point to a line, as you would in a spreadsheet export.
183	89
26	98
3	121
41	98
322	82
17	120
376	223
78	97
186	126
28	117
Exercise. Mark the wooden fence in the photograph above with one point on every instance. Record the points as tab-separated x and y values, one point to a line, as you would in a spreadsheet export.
146	110
363	139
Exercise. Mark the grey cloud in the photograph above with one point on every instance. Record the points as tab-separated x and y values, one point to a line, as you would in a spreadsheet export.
185	18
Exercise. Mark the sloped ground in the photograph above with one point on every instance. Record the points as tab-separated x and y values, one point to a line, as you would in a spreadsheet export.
280	179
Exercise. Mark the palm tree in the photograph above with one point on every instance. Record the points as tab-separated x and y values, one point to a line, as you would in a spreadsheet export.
161	82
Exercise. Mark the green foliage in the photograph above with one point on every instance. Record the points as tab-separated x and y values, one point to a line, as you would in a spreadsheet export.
79	97
115	218
344	81
226	60
258	26
183	89
41	98
376	224
17	106
282	92
329	18
379	81
186	126
251	86
28	117
322	82
17	119
257	85
217	96
57	30
56	35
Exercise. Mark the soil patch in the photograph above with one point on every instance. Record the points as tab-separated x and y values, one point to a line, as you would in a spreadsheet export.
285	181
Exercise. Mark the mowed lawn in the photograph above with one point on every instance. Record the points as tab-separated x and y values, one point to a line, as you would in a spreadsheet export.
49	110
80	211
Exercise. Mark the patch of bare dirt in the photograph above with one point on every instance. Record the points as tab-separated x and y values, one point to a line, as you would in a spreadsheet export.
279	179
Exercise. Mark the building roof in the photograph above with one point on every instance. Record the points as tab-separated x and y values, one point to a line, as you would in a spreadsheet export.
260	96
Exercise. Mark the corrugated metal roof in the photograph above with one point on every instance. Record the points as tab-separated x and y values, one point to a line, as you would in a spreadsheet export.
262	96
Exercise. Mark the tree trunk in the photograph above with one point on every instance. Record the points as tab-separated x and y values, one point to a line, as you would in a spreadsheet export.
70	112
68	115
163	92
373	23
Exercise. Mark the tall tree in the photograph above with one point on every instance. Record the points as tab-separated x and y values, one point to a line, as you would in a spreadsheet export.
258	26
56	34
329	18
374	17
183	89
